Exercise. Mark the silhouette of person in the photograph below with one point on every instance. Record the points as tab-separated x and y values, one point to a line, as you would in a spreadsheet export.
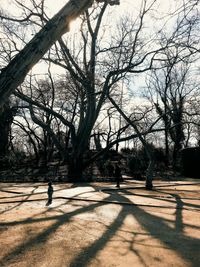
117	175
49	193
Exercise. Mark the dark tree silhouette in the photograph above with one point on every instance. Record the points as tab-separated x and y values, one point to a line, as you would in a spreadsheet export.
14	73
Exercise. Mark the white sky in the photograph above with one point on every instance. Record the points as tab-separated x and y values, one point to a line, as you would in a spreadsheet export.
130	7
125	5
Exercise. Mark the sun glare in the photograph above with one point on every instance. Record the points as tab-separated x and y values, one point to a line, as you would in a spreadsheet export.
75	24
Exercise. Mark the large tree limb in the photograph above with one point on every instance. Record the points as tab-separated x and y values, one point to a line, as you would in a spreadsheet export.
15	72
50	111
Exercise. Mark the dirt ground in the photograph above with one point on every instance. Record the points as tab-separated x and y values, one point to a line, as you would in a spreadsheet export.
99	225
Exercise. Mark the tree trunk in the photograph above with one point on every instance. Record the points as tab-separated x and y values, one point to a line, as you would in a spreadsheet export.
75	169
176	149
166	147
149	175
15	72
149	152
6	118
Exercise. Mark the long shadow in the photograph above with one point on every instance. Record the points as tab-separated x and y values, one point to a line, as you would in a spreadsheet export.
170	200
171	184
179	226
85	256
22	194
31	220
20	203
158	196
42	237
10	192
177	184
194	206
187	247
68	200
40	193
180	205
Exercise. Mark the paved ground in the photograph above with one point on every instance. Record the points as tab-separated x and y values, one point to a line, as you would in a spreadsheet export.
98	225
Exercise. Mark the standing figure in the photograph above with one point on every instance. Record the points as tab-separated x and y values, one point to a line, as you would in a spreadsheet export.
50	193
117	175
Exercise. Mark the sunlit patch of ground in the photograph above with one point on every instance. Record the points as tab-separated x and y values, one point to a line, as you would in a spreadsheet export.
98	225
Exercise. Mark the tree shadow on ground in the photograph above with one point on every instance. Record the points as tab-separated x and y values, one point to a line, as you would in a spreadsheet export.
186	247
22	194
20	203
44	236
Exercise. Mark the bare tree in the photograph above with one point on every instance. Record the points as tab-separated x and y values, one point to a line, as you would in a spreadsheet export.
95	70
14	73
6	119
172	88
